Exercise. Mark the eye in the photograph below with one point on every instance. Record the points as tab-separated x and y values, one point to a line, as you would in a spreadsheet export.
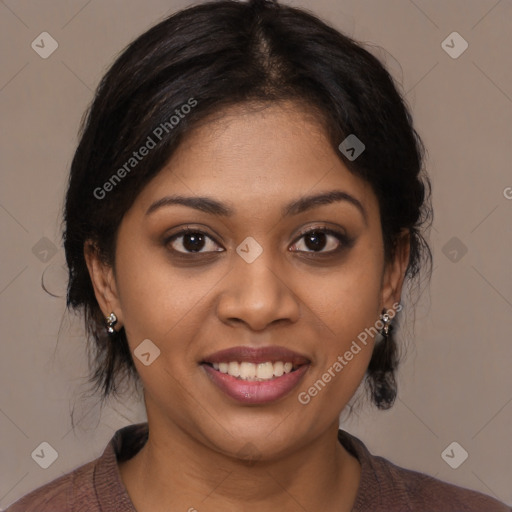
191	240
318	239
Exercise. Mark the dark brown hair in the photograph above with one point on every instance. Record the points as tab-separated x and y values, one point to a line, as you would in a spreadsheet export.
219	54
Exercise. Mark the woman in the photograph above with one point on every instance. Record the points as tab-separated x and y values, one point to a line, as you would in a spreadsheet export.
245	203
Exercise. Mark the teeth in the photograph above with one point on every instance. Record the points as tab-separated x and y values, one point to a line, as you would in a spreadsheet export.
247	370
265	370
234	369
278	368
252	371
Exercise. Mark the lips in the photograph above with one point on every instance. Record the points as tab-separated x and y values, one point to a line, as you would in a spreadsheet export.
245	388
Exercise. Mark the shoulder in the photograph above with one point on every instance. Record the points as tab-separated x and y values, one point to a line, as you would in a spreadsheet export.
387	487
424	492
93	487
71	492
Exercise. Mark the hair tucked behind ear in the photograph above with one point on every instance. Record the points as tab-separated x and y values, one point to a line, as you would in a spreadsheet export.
380	374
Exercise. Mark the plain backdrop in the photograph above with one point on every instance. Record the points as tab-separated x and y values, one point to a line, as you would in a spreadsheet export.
455	383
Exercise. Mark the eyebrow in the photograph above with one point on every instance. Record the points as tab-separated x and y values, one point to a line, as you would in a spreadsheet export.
214	207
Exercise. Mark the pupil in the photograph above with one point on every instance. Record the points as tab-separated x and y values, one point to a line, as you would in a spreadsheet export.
317	239
196	242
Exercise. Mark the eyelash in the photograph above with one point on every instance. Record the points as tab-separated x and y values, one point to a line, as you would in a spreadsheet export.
345	242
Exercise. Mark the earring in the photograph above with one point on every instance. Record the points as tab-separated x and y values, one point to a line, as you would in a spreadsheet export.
386	320
111	320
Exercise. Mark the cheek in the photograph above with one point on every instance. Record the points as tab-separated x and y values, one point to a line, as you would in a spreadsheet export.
154	299
349	297
347	302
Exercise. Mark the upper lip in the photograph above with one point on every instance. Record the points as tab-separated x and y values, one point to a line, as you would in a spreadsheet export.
257	355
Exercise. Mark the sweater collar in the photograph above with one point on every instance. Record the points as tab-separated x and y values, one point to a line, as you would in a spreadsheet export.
127	441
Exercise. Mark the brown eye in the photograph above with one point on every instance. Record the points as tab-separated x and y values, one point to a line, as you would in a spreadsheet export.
192	241
321	240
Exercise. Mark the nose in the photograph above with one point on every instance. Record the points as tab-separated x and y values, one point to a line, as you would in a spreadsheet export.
257	295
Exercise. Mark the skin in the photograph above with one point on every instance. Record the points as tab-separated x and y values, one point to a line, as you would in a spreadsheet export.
193	304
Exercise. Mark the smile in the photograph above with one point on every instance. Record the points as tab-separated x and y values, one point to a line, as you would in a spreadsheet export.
255	372
256	375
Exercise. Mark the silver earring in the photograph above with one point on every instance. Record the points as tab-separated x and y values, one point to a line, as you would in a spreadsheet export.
386	320
111	320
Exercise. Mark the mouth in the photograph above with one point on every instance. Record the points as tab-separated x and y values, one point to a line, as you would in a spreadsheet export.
252	372
256	375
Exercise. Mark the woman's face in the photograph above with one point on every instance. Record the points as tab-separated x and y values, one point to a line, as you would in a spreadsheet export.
247	276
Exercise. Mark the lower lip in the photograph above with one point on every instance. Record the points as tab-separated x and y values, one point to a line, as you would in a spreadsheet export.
256	392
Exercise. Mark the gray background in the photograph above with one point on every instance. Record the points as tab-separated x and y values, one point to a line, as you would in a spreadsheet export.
455	384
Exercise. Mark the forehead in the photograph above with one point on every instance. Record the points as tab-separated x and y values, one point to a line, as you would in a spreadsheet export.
265	155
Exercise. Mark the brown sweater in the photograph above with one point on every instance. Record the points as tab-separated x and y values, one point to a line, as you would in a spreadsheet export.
97	485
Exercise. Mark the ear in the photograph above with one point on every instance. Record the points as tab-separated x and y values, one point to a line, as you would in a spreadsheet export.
103	282
394	271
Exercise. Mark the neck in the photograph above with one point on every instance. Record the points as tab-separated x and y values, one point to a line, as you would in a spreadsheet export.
175	471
